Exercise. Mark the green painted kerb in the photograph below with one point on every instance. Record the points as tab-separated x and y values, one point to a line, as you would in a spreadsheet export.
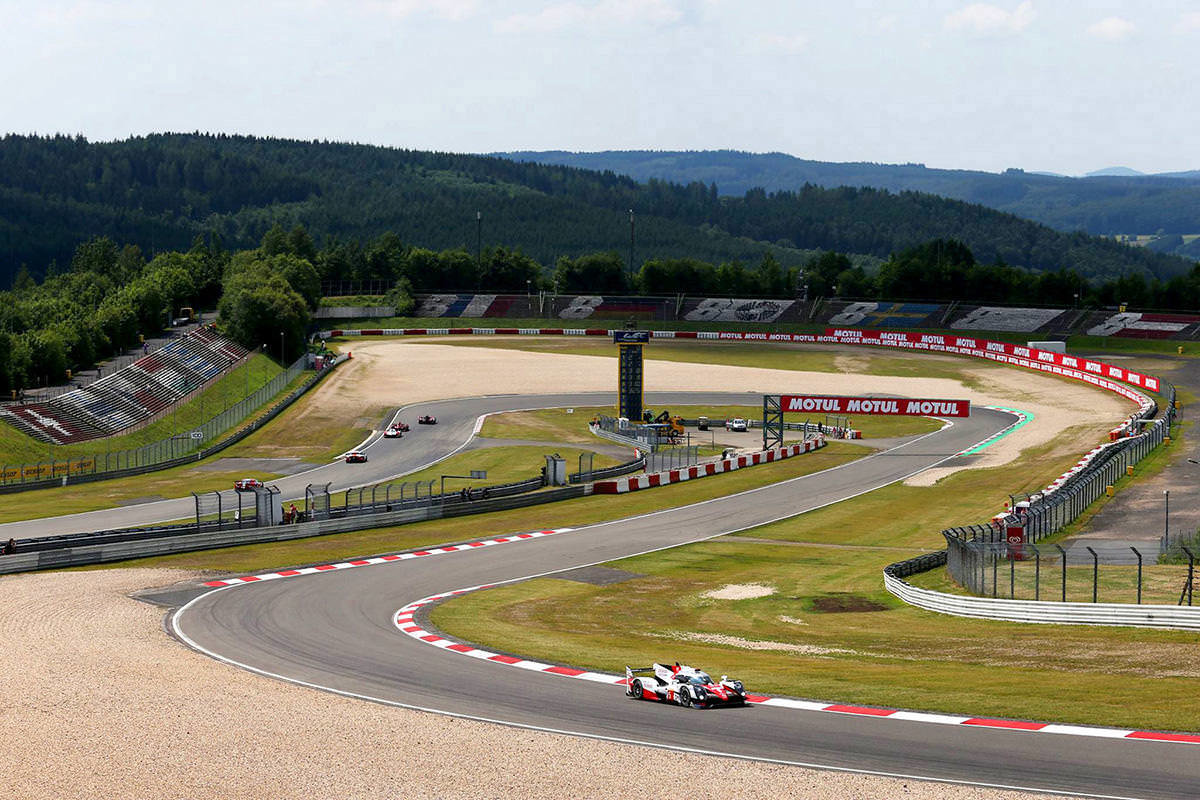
1023	417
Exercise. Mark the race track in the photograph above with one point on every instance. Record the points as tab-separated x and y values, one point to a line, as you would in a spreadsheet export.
423	446
333	630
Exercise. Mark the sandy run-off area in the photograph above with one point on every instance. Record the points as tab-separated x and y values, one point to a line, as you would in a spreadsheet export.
391	372
97	701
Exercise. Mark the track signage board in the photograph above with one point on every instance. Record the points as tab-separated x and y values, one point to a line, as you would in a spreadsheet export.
630	376
631	337
894	406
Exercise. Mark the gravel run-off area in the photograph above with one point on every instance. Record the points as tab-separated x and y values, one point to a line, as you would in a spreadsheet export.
98	701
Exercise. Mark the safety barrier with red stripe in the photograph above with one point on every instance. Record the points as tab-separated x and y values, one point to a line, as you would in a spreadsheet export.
632	484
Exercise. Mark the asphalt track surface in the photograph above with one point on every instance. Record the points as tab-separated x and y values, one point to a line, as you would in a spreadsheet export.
421	447
333	630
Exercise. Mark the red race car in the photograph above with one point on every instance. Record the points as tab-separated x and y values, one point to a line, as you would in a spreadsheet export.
393	432
247	484
427	419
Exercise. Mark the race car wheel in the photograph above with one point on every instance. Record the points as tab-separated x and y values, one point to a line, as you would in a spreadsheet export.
635	690
685	699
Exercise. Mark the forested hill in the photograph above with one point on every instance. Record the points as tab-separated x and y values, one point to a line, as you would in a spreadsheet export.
1103	204
161	191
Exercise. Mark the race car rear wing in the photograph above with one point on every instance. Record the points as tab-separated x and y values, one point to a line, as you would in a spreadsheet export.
630	672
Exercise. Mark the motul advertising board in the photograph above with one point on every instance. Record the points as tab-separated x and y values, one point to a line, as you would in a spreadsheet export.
897	406
998	351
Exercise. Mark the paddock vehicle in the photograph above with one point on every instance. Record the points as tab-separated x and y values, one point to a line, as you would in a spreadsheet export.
393	432
682	685
356	457
427	419
737	424
247	484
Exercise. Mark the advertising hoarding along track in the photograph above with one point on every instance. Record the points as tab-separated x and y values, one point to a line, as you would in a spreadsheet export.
923	407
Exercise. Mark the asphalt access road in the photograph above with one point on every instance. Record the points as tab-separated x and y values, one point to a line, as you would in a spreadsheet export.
333	630
422	446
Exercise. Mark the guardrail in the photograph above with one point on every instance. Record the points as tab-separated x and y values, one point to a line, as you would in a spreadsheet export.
973	552
1125	614
166	543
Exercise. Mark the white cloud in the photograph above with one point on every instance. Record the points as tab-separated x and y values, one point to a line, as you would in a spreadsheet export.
448	9
1188	23
1114	29
89	11
989	20
887	22
561	16
785	43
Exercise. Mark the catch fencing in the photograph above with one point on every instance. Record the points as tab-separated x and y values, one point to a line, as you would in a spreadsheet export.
180	448
1002	559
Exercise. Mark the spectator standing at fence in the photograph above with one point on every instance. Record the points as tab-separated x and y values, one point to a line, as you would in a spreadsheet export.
294	517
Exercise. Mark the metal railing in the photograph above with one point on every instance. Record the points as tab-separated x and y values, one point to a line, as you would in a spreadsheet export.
984	560
163	452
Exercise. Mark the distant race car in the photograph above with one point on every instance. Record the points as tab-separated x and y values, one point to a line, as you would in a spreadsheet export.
400	426
426	419
247	484
393	432
737	424
356	457
685	686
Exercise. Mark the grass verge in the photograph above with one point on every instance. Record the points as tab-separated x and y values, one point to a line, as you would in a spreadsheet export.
16	447
571	513
558	425
830	631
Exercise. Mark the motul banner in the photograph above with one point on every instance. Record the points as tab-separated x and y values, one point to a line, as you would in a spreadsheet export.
996	351
898	406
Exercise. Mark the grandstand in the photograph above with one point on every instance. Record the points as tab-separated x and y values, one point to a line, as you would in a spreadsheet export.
130	396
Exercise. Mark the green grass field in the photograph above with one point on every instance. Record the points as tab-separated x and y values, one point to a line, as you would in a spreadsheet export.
829	630
167	483
17	448
571	513
558	425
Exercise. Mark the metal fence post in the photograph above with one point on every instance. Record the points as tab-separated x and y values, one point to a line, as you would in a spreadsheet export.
1139	579
1037	574
1187	589
1063	554
1095	573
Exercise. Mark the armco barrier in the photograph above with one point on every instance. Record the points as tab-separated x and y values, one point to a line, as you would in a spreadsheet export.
1042	611
622	485
138	548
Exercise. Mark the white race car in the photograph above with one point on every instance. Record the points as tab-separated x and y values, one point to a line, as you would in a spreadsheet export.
737	424
685	686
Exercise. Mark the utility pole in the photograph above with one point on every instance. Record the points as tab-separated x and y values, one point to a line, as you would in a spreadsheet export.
479	242
631	244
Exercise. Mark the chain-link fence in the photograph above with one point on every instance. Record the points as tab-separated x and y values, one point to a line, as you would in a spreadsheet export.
1003	559
164	451
666	458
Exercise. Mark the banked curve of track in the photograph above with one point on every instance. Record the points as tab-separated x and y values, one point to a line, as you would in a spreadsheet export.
334	630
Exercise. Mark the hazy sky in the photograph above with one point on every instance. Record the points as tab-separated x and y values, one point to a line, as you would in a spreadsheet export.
1039	84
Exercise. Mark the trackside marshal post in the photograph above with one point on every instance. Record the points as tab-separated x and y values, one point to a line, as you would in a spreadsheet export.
629	372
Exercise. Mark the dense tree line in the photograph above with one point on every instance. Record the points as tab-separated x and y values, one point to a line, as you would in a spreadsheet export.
1101	205
160	192
110	294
